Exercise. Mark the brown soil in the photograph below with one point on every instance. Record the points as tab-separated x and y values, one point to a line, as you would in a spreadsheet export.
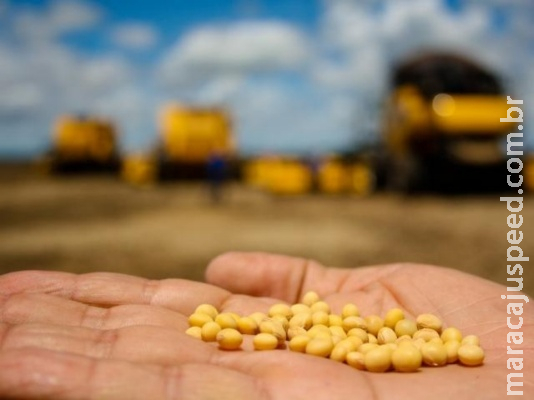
100	224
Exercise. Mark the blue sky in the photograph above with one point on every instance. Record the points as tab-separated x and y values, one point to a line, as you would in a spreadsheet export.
298	75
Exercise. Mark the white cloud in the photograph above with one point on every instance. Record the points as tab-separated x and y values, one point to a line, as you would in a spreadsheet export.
20	99
136	36
60	16
365	44
69	15
340	73
234	49
104	74
220	90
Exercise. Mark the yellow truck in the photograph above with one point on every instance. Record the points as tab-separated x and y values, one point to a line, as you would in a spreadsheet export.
291	175
188	138
83	143
442	125
280	175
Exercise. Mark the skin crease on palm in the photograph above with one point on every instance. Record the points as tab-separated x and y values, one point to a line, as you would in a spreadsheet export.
111	336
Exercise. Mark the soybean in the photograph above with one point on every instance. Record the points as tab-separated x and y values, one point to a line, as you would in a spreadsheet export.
265	341
365	343
471	355
406	358
229	339
378	359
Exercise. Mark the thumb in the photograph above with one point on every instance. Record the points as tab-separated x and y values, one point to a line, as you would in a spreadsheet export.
270	275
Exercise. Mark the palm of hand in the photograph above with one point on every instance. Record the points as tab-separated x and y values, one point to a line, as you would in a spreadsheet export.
113	336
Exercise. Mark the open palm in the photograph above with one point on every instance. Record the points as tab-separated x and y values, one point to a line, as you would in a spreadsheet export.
101	335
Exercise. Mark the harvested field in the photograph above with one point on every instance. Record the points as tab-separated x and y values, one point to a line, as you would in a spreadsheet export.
84	224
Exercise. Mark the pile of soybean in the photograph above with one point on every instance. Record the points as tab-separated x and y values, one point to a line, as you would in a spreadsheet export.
367	343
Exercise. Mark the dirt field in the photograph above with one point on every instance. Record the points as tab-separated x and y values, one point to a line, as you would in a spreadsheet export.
100	224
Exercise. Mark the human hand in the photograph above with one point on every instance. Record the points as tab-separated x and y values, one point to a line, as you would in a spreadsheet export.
100	335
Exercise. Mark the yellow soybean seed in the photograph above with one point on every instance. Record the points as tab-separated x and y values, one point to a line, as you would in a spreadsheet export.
369	343
226	320
451	333
235	315
275	328
318	328
319	346
295	331
392	317
199	319
209	331
426	334
392	346
418	343
406	358
299	343
378	359
322	335
207	309
366	347
265	341
471	355
471	339
351	345
389	347
405	327
336	339
404	339
283	321
350	310
436	340
310	298
386	335
360	333
452	347
338	331
354	322
320	318
194	331
429	321
301	320
299	308
247	326
434	354
356	360
258	317
374	324
335	320
355	340
229	339
339	352
280	309
320	306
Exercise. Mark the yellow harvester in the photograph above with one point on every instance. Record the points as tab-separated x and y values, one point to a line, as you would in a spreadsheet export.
286	175
188	137
83	143
442	125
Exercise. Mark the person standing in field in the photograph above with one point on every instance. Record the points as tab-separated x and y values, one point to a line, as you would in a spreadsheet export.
216	174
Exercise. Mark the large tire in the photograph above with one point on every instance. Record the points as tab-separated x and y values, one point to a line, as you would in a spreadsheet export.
404	175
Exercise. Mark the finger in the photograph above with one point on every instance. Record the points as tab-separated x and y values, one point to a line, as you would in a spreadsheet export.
283	277
110	289
35	373
43	308
137	343
416	288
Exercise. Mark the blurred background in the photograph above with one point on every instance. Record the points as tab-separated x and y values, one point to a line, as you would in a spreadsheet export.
149	137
